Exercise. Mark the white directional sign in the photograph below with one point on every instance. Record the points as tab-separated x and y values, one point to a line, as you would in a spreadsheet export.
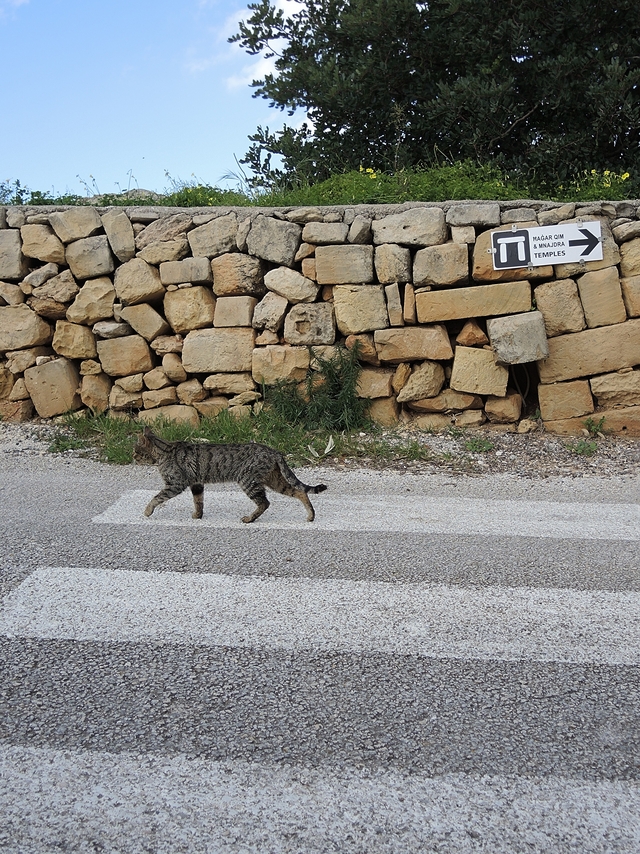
548	244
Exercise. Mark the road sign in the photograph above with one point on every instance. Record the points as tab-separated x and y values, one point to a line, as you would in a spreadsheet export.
550	244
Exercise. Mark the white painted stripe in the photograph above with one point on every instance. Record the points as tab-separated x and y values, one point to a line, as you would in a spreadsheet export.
53	799
393	513
508	624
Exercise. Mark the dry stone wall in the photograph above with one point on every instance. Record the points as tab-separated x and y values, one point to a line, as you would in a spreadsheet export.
183	313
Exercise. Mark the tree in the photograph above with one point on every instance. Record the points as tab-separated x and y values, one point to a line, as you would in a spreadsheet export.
535	86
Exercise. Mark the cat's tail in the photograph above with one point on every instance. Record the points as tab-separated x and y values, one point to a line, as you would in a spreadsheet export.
294	481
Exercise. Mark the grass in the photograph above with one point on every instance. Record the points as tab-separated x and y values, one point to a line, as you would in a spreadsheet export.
582	447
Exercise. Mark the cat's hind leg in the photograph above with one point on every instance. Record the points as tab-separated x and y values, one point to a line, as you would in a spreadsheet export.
257	494
170	491
197	490
276	481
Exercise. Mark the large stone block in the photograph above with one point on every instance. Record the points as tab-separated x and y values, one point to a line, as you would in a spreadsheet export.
20	327
215	237
39	241
375	382
630	258
121	357
75	223
415	227
94	302
94	392
444	265
137	281
344	265
13	264
360	308
616	390
478	301
234	311
610	255
504	410
392	263
166	250
274	240
591	352
53	387
310	323
144	320
74	341
194	270
189	308
320	233
601	297
394	305
624	422
210	351
561	308
119	231
448	400
631	295
229	383
10	294
273	363
426	381
165	228
291	285
518	338
476	372
270	311
565	400
384	411
90	257
413	344
237	275
16	411
177	412
479	214
482	270
61	288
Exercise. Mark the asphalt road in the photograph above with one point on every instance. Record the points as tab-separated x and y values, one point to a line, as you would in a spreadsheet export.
438	663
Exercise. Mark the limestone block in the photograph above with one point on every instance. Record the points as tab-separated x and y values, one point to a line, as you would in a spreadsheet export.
120	399
159	397
16	411
164	344
433	422
195	270
119	231
165	228
310	323
178	413
392	263
616	390
215	237
409	307
471	335
325	353
10	294
229	383
21	327
630	258
626	231
210	351
426	381
413	344
90	257
172	366
360	230
111	329
131	384
375	382
366	348
93	302
212	406
61	288
121	357
189	308
401	376
19	390
167	250
308	267
234	311
504	410
305	250
38	277
518	215
444	265
394	305
274	240
19	360
94	392
484	215
601	297
560	305
360	308
518	338
75	223
137	281
475	301
470	418
13	264
338	265
191	392
476	372
237	275
631	295
384	411
320	233
305	214
90	368
415	227
463	234
274	363
291	285
53	387
610	255
269	312
560	213
74	341
145	320
39	241
48	307
591	352
482	270
7	381
625	422
448	400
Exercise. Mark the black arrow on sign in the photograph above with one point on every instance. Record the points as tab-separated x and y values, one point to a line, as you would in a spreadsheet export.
590	242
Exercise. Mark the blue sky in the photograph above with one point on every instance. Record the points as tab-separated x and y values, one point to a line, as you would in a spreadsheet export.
114	93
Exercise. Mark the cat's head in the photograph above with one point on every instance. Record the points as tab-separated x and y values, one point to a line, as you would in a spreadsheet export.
145	450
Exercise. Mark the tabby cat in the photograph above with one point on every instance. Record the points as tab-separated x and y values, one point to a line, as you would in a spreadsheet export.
191	464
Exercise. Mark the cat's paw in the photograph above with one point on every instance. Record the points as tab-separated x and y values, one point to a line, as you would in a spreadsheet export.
247	518
196	515
148	511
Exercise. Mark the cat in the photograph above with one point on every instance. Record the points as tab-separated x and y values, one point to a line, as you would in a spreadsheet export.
192	464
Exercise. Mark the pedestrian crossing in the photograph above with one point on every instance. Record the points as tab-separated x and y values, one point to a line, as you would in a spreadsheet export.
202	711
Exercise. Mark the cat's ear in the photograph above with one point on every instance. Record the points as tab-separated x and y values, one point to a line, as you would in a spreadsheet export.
147	433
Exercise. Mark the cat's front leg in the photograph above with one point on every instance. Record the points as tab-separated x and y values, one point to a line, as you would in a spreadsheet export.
163	496
197	490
